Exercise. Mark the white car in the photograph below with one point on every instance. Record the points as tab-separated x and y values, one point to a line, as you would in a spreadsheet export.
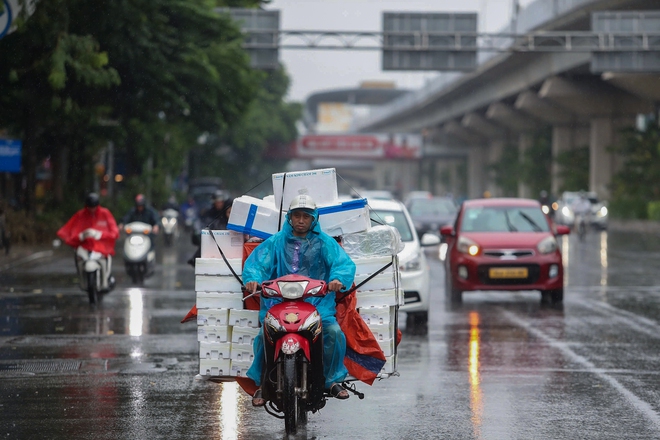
415	272
565	215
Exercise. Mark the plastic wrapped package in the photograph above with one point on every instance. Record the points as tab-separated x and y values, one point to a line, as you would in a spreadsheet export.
377	241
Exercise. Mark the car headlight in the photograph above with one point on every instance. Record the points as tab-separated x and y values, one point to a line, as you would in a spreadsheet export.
467	246
413	264
566	211
602	212
547	245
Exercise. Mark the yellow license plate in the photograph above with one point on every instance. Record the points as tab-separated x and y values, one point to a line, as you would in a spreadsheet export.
510	272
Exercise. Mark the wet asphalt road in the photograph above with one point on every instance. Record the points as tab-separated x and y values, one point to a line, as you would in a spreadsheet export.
500	366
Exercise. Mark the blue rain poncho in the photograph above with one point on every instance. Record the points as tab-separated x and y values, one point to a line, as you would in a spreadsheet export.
318	256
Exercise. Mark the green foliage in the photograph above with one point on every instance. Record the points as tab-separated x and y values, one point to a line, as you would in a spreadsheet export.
507	170
574	169
653	209
638	181
537	162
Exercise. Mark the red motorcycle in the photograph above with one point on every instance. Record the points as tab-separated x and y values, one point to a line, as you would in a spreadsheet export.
293	381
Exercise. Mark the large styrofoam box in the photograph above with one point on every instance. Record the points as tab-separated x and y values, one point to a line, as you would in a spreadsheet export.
217	283
212	316
401	296
214	333
243	335
376	298
244	318
320	184
239	368
378	282
242	352
215	367
215	350
253	216
373	265
377	315
390	365
344	217
382	332
230	242
387	346
218	266
219	300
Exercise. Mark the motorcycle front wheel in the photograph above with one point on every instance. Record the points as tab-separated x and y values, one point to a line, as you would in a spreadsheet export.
289	397
92	290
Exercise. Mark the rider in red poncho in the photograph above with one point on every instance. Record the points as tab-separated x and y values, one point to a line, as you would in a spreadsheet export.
93	227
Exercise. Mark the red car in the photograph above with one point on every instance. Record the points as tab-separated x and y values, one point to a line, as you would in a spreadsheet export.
503	244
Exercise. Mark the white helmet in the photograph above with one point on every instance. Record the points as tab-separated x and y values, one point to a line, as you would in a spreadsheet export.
303	201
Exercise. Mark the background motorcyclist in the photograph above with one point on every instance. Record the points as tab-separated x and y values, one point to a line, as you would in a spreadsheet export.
94	228
214	218
171	204
302	248
142	213
581	207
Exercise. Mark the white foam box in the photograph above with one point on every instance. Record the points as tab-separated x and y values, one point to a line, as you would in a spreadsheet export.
218	266
212	316
382	332
217	283
214	333
390	365
239	368
378	282
215	367
344	217
230	242
219	300
253	216
400	295
373	265
242	352
387	347
376	298
243	335
215	350
244	318
320	184
376	315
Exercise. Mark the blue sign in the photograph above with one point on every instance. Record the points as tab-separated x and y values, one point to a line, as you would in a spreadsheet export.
10	155
5	19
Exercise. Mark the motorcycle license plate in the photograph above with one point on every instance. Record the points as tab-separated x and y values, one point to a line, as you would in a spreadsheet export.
509	272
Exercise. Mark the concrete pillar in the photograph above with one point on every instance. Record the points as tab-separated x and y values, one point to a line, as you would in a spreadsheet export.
602	164
525	141
476	170
562	140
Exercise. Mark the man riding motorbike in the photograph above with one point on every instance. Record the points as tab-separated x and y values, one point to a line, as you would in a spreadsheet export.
214	218
142	213
302	248
94	229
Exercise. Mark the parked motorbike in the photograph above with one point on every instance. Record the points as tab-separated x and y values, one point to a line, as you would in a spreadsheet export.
170	226
94	273
139	254
293	383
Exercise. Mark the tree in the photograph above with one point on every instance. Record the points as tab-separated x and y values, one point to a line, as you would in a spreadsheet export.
537	161
507	170
574	169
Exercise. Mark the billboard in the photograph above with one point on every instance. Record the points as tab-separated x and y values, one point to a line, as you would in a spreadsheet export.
334	117
10	155
360	146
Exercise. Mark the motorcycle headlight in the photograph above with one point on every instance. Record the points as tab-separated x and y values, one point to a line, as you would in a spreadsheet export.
547	245
292	290
173	221
414	264
136	240
164	221
467	246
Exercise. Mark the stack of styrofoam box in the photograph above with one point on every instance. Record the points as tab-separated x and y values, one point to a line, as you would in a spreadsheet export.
378	302
221	318
264	217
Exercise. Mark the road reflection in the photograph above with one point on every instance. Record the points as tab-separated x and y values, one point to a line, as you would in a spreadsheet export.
603	261
476	394
228	411
136	312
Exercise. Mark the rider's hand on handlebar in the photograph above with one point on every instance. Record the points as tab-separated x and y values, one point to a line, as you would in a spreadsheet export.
335	286
251	286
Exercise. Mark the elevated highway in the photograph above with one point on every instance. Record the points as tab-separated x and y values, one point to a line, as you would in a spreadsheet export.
512	95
